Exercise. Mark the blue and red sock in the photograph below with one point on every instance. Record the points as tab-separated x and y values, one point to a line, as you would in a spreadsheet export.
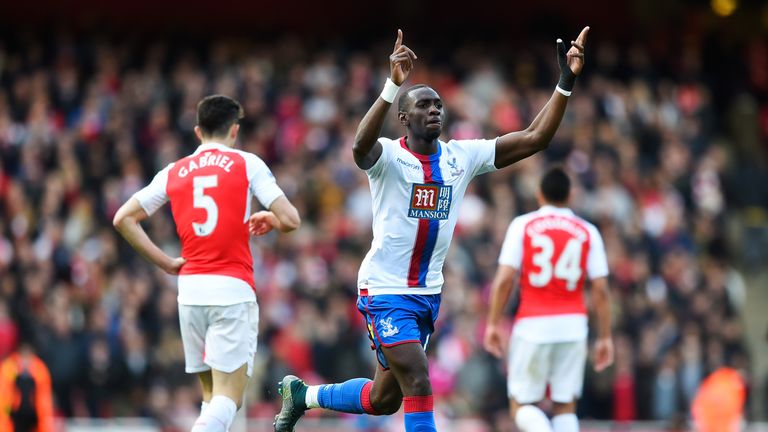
419	415
353	396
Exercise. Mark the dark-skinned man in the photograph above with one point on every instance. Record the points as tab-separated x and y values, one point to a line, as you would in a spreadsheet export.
417	183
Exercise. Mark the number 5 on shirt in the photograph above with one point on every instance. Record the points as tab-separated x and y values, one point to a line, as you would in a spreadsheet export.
201	200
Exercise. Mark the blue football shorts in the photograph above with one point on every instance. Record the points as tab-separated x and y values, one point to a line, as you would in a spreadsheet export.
394	319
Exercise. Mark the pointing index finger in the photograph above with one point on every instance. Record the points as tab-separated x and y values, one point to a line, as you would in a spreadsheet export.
582	36
399	40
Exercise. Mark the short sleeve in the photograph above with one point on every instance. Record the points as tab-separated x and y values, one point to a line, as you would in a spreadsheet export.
512	249
154	195
262	182
386	154
485	156
597	261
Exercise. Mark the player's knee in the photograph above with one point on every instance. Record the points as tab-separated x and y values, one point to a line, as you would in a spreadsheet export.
386	404
418	384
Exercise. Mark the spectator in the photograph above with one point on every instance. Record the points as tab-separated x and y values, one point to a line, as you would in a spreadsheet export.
26	403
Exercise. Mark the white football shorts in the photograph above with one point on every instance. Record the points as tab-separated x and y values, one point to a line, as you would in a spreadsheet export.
219	337
533	366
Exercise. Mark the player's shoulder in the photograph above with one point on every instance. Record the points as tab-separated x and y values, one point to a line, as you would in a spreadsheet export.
525	218
237	152
589	226
457	144
250	159
473	144
582	221
390	143
166	170
517	224
468	150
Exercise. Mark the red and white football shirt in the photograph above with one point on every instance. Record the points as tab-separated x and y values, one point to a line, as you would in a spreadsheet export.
210	193
555	251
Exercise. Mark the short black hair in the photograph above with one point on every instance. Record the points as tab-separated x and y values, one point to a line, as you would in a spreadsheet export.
406	94
216	114
555	186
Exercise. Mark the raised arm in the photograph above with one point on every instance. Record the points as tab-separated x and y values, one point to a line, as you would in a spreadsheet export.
515	146
367	148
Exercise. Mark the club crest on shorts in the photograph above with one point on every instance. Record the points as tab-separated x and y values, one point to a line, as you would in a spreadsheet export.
389	329
430	201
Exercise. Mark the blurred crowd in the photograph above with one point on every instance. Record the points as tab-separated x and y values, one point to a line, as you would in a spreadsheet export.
85	123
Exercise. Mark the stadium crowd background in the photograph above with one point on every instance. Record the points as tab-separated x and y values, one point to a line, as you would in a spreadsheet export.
666	142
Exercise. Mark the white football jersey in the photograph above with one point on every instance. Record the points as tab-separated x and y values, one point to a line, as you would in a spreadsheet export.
415	207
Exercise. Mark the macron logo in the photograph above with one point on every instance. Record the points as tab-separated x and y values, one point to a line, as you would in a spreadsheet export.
409	165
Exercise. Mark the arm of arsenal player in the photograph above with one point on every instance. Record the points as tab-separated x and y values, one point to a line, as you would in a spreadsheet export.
127	223
601	300
501	290
286	215
281	215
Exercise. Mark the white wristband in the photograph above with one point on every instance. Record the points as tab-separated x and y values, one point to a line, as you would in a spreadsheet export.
390	91
562	92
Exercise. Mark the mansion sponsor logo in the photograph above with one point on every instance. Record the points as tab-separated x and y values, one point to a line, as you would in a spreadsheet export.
430	201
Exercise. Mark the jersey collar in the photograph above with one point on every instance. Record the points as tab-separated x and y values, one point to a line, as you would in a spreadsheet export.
210	146
547	208
421	157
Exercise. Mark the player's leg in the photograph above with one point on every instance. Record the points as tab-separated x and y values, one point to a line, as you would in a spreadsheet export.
385	397
193	322
528	417
528	370
567	378
564	417
228	388
403	326
206	382
230	346
381	396
409	365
